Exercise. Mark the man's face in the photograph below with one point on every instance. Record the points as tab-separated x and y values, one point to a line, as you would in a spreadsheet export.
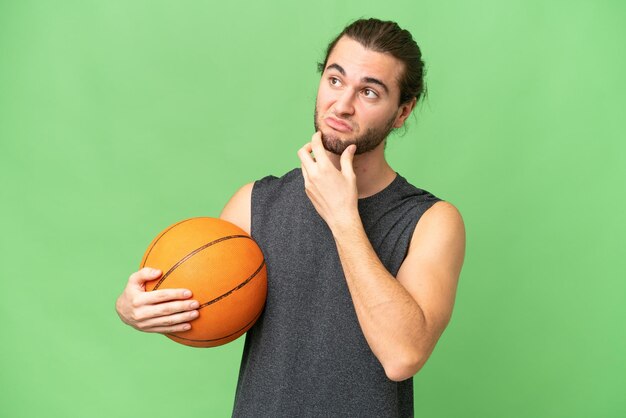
357	99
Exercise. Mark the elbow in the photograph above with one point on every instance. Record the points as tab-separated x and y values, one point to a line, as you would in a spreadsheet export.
399	370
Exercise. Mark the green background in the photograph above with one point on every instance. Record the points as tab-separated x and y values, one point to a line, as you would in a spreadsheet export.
118	118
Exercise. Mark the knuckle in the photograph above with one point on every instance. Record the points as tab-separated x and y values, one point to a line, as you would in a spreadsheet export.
135	302
139	315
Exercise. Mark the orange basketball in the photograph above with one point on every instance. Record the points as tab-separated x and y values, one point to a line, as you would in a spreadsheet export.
222	266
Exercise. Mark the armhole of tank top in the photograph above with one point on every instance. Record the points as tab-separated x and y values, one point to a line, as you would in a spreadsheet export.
259	186
429	204
416	220
253	207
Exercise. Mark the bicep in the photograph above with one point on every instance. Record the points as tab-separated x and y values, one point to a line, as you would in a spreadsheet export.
431	270
238	210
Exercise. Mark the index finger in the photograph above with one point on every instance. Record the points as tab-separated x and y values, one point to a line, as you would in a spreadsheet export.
146	274
163	295
318	147
304	154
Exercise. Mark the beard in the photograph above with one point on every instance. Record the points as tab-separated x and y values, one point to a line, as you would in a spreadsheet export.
369	140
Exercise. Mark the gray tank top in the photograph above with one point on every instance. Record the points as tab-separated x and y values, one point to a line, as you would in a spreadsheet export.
306	356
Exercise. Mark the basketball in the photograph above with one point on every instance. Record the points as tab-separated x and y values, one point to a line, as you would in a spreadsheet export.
222	266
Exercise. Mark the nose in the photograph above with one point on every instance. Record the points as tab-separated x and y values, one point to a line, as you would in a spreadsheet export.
344	105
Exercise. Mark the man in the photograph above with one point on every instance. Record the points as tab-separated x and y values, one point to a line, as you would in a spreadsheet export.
359	291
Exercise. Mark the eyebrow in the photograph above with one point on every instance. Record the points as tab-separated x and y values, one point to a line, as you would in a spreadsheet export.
370	80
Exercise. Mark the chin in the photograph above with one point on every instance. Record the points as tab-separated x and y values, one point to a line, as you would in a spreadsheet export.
335	143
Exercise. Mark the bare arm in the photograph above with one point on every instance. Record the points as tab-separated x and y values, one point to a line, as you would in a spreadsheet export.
402	318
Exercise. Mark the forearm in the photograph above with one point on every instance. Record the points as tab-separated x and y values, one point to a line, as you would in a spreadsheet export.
391	320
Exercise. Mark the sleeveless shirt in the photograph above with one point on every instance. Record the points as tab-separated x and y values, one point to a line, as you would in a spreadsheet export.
306	356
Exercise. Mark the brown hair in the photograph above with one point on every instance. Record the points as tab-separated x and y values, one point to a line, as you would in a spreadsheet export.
388	37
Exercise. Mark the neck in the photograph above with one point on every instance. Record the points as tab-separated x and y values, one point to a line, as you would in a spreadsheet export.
373	173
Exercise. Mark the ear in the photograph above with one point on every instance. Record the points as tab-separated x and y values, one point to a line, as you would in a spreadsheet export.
403	112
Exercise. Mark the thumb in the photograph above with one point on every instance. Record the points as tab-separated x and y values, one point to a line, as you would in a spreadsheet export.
346	159
144	275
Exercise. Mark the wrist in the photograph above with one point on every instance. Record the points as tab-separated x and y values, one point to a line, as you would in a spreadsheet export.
348	223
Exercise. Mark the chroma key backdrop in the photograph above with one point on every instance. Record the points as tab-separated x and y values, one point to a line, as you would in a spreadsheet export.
119	118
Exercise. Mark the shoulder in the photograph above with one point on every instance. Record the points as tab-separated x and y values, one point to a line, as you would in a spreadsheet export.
271	181
442	212
238	209
440	233
269	189
442	220
408	193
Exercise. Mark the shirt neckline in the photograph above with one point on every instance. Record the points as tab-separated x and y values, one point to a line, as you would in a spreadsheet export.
387	189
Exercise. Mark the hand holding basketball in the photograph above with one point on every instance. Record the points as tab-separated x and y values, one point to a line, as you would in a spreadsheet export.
217	261
224	268
163	311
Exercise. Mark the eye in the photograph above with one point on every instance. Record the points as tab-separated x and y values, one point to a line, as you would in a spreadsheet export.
370	94
334	81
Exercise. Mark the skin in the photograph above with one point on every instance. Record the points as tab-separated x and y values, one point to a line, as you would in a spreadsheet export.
401	318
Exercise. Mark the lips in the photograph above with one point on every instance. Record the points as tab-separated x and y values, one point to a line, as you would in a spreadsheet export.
338	125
